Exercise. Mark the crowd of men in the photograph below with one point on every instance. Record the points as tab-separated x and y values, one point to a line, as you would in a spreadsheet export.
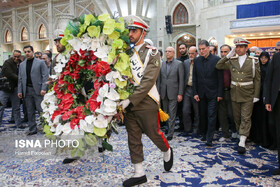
25	82
233	92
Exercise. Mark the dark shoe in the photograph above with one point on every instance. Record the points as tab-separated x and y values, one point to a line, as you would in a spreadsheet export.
31	133
101	149
169	138
241	150
168	165
276	172
135	181
210	144
11	121
21	127
185	134
203	138
24	120
69	160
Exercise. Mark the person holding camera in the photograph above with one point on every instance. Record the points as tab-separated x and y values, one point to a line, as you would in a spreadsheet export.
8	87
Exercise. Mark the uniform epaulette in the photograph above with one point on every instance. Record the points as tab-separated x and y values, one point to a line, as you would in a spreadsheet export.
234	57
151	47
256	58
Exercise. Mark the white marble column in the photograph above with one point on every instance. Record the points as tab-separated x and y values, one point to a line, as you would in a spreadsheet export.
50	24
31	31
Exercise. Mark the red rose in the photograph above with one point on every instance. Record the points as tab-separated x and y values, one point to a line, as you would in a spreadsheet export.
71	88
67	115
74	122
93	105
56	113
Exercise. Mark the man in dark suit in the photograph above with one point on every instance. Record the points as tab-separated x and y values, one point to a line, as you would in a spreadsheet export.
171	87
207	90
272	98
10	71
188	102
32	78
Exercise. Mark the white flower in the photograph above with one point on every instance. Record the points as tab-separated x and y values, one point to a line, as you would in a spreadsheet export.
114	75
85	126
110	106
76	44
77	131
90	119
100	122
58	67
66	128
56	119
102	52
113	95
95	44
103	91
58	129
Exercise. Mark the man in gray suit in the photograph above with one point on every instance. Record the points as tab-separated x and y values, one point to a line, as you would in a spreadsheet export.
32	78
171	87
189	102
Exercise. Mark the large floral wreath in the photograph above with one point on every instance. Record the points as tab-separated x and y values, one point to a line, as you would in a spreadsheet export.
95	57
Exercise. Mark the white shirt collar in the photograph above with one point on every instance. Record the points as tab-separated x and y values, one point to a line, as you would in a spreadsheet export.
241	60
138	47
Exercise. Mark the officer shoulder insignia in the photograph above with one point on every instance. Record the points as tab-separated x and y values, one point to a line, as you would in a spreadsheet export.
255	58
151	47
157	63
234	57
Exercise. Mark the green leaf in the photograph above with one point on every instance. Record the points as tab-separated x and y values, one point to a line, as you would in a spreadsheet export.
90	139
120	84
115	35
82	19
111	55
94	31
123	62
82	62
82	30
80	153
120	25
123	94
46	130
107	146
63	41
109	26
117	44
81	145
89	18
99	131
127	72
73	152
104	17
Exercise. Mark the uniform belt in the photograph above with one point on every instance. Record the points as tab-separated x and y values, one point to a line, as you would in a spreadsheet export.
241	83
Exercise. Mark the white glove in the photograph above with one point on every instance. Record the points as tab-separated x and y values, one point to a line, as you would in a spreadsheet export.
255	100
124	103
231	53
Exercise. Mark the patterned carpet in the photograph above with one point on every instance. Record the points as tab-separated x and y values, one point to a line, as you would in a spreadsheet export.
194	164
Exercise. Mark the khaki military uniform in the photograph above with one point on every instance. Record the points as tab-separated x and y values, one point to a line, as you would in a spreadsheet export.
245	86
143	116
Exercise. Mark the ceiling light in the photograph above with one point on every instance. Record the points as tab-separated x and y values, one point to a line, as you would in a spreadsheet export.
261	34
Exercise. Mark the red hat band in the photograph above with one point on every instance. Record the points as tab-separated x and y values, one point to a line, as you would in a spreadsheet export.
61	35
140	24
